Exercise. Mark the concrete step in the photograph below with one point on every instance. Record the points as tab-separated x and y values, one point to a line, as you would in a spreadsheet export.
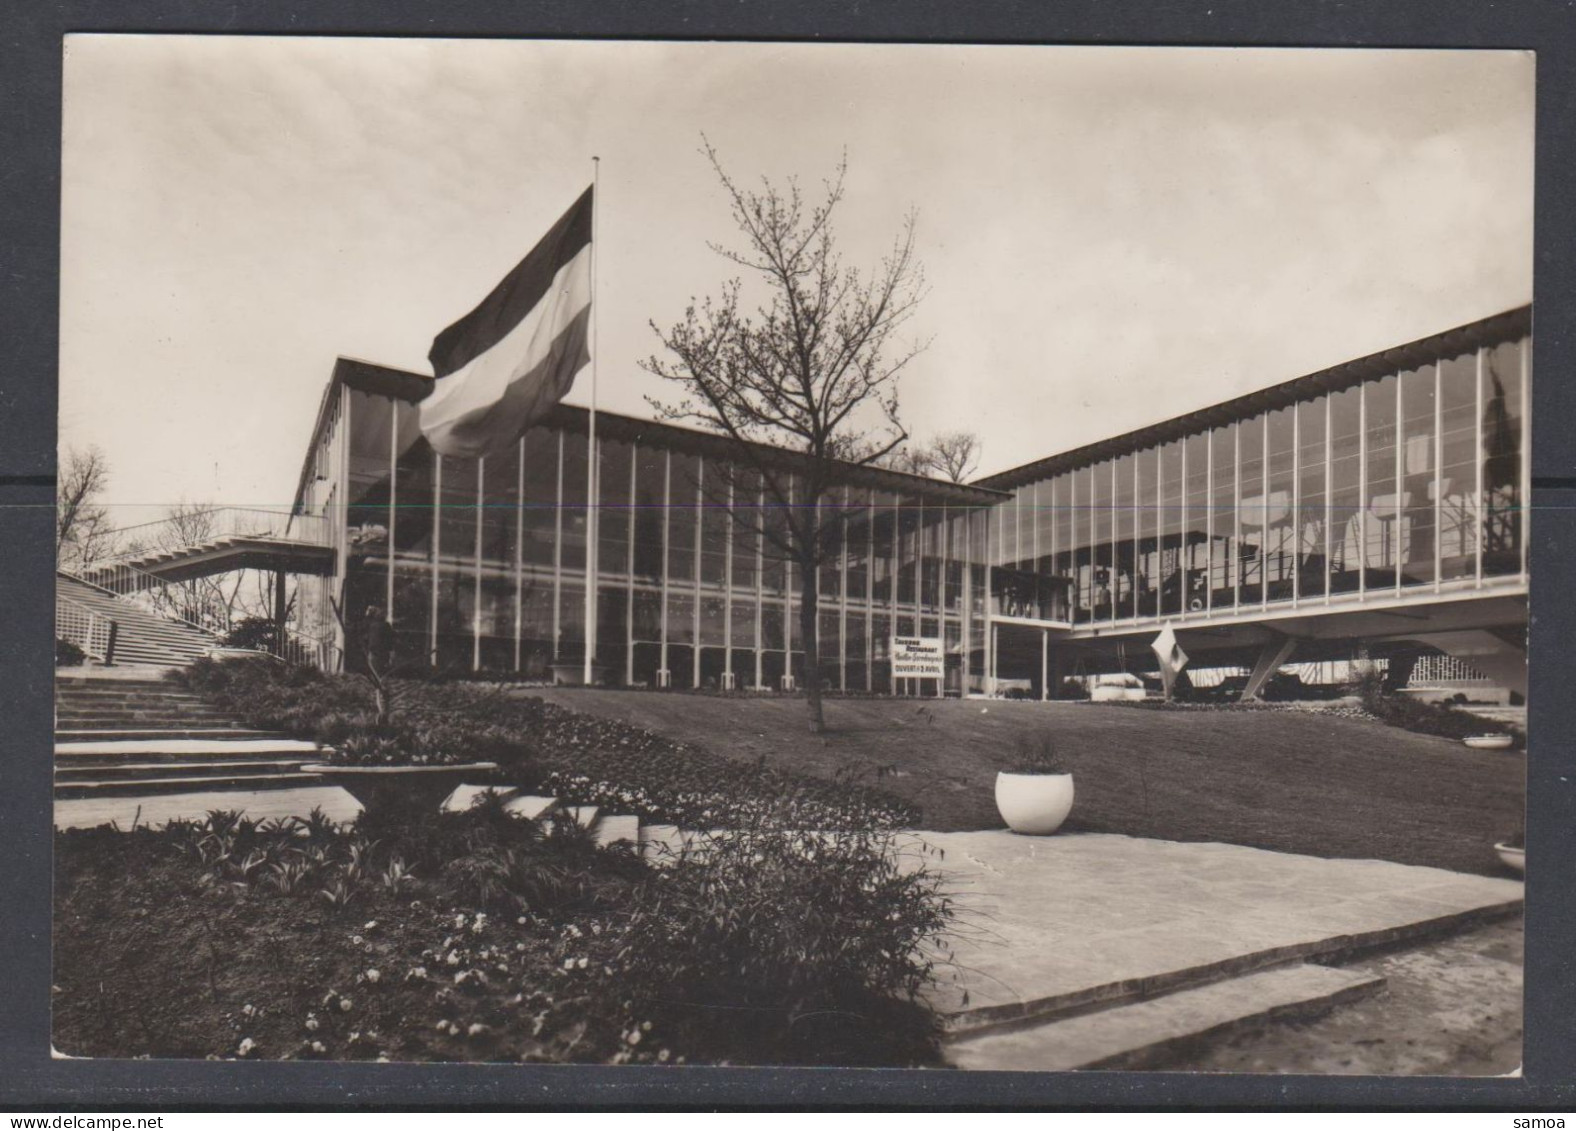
76	736
152	714
618	829
465	796
584	815
205	745
664	844
531	807
1144	1033
99	770
186	783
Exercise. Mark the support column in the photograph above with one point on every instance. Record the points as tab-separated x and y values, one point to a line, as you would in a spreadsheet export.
279	611
1274	653
1045	664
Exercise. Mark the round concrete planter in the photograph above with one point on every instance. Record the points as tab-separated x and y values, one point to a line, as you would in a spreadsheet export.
1489	741
1512	857
1034	804
417	789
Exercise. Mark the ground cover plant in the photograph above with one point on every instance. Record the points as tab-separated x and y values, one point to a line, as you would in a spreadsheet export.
541	746
1319	780
482	936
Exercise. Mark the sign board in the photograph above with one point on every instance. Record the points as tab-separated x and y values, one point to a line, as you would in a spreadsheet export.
918	657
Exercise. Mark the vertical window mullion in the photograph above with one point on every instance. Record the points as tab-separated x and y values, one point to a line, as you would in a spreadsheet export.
1482	512
476	592
437	536
1439	472
667	534
1363	502
519	548
558	554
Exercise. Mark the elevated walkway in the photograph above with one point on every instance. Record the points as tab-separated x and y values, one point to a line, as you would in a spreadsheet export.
220	540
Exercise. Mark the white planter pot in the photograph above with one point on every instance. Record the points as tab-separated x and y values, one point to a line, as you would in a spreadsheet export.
1512	857
1034	804
1489	741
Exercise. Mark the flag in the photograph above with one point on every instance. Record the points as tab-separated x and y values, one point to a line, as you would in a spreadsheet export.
1169	653
506	363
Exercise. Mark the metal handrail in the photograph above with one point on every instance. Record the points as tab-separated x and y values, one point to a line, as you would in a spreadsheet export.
85	627
129	582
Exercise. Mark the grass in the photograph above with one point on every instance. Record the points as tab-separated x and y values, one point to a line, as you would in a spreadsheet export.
1292	781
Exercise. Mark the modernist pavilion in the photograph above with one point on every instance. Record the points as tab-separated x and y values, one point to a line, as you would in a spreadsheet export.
1375	506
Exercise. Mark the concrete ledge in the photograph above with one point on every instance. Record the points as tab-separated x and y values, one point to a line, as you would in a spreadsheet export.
1141	1034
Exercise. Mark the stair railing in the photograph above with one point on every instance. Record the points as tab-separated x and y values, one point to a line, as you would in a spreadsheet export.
131	583
87	628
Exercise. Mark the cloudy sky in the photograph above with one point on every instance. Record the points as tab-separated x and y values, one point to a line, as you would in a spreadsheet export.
1110	236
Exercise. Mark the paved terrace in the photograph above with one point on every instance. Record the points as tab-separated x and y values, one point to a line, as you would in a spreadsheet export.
1051	925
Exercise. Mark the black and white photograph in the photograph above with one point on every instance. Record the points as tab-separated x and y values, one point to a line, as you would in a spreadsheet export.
678	553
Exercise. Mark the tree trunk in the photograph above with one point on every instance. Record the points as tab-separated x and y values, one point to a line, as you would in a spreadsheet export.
810	634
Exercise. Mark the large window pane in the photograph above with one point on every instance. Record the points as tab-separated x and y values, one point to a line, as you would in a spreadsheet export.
1223	517
1312	529
1280	529
683	515
1195	538
1346	490
1149	523
613	515
1251	511
1383	519
1418	488
1101	602
650	474
540	518
1502	456
1170	583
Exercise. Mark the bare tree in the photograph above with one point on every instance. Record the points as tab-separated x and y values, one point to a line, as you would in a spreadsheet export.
82	529
813	370
954	455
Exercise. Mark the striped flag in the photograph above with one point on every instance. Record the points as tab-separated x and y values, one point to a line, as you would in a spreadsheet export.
508	362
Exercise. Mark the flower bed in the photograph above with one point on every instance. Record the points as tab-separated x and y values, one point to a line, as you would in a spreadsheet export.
479	936
579	758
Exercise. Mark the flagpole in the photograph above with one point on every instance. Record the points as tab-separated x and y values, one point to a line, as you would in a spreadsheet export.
593	479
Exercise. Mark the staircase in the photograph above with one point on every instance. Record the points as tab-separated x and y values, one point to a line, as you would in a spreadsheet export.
123	737
143	638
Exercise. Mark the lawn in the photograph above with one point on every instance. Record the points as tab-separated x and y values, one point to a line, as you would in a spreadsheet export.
1292	781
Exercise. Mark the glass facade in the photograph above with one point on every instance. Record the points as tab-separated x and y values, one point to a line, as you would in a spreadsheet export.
1407	480
1412	480
481	564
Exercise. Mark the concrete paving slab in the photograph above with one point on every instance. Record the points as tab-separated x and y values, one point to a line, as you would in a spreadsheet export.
1048	925
217	745
260	804
620	829
531	807
1126	1036
465	796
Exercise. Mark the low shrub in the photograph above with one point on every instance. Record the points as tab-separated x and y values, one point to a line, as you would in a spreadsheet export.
480	936
1406	712
721	948
67	654
579	758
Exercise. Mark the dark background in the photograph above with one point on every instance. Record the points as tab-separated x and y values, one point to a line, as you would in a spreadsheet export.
30	53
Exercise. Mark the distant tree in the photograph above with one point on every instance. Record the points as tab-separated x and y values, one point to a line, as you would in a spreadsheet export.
953	455
82	529
814	369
